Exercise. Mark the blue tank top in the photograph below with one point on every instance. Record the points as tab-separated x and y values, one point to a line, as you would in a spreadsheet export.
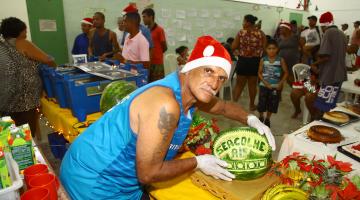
101	162
272	71
102	44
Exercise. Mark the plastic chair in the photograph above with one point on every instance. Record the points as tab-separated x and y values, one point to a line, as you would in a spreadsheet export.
170	63
228	83
302	72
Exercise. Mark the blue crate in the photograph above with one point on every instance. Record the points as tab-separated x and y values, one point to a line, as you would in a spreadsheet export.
143	77
58	84
45	74
58	145
84	95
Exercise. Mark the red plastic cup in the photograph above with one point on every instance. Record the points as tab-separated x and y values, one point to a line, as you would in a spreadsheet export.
36	194
33	171
47	181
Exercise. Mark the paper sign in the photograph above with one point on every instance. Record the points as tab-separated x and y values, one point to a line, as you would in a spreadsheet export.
187	25
204	13
192	12
89	12
47	25
166	13
217	13
180	14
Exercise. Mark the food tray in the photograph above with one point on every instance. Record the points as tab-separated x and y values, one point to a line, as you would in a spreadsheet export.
346	149
353	118
106	71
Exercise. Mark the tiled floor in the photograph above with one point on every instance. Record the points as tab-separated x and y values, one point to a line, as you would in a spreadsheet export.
281	124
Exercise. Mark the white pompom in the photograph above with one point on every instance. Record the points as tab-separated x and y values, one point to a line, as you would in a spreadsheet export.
208	51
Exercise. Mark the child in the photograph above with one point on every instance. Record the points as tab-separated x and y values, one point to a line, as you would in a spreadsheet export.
183	55
272	74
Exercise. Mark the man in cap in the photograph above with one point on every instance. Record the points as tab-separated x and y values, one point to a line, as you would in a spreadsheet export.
81	42
144	30
134	143
103	43
310	38
330	67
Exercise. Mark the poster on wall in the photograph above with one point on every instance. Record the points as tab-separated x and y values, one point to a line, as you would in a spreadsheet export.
47	25
89	12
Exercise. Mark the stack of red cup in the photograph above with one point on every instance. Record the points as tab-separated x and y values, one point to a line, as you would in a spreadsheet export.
40	183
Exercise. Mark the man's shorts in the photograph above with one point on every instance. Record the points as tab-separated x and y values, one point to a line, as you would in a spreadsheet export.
327	97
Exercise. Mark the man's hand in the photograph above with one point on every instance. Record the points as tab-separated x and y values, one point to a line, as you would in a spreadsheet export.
314	69
214	167
280	86
102	57
254	122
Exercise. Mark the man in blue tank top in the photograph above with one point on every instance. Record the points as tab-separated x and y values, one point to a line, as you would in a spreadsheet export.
102	41
134	143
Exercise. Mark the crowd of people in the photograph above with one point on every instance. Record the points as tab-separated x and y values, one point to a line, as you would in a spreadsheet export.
323	48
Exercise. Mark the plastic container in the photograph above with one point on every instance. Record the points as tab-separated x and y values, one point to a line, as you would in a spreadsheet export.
58	145
84	95
12	192
58	79
36	194
45	74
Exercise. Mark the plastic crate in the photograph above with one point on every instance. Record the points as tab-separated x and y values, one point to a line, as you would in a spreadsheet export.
58	145
84	95
58	79
143	77
45	74
12	192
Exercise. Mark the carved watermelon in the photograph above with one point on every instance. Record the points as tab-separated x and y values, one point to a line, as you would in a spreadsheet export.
113	93
247	153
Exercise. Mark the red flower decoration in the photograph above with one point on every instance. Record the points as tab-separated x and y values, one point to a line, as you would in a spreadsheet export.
342	166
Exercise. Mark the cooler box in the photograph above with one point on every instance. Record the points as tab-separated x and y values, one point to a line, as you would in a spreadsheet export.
143	74
58	79
84	95
45	74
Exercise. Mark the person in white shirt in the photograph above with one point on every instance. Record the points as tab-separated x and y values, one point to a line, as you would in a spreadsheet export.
120	30
310	40
345	30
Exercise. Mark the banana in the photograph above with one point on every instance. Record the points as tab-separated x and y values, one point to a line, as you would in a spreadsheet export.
288	195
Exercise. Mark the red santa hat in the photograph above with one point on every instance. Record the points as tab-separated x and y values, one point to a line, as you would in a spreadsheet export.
285	25
129	9
87	20
326	19
208	51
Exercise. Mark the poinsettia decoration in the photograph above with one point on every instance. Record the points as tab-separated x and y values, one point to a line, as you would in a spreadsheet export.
201	135
322	179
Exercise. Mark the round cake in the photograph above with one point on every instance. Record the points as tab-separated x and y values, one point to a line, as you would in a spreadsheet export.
324	134
337	117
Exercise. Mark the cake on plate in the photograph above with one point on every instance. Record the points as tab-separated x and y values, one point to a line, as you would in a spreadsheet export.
354	149
324	134
337	117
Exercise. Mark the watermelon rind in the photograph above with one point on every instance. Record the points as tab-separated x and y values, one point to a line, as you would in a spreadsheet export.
252	164
114	93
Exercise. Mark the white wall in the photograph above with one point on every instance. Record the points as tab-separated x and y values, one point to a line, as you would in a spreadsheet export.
15	8
346	11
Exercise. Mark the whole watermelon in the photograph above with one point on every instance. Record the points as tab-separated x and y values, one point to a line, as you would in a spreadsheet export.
113	93
247	153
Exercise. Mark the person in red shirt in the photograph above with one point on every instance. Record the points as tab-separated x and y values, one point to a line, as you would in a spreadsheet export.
159	40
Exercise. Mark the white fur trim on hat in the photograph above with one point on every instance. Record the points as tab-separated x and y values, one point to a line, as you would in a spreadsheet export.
208	61
327	23
285	26
86	22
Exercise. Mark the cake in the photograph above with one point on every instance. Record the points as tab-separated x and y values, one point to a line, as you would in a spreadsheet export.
353	149
324	134
337	117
